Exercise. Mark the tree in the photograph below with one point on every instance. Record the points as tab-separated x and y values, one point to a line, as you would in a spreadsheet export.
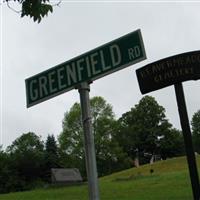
26	160
71	139
196	130
36	9
171	144
108	152
51	156
141	127
26	142
4	171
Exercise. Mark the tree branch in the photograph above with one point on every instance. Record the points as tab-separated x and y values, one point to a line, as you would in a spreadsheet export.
57	4
17	11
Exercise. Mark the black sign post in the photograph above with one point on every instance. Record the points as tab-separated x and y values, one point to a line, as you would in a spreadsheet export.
173	71
188	140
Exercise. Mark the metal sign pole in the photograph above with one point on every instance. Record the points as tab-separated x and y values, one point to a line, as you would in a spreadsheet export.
89	142
188	140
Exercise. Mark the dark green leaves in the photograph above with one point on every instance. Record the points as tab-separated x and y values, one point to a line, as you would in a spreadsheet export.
140	129
196	130
36	9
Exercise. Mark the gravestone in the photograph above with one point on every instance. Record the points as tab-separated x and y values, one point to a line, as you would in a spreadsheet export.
65	176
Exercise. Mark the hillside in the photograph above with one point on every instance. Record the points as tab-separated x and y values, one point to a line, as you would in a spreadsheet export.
164	180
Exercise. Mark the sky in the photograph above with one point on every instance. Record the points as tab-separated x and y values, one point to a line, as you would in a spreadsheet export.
75	27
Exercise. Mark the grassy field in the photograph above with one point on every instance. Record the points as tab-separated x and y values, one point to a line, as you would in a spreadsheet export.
169	181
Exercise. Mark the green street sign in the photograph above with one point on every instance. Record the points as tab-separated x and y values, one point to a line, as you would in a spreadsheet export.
101	61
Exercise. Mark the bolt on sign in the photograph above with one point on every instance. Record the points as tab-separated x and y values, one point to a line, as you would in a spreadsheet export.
101	61
169	71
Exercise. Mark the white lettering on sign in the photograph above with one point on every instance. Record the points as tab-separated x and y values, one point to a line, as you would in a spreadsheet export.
71	74
115	55
43	86
51	82
103	64
88	66
134	52
94	62
79	68
76	71
60	77
33	92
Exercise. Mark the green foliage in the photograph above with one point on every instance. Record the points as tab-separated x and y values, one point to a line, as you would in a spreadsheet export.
26	159
4	171
35	9
196	130
108	152
51	156
71	139
171	144
141	127
28	142
143	131
71	136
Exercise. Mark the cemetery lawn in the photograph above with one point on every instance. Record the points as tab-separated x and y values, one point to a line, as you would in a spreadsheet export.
169	181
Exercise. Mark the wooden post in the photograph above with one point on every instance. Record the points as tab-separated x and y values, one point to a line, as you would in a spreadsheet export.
187	140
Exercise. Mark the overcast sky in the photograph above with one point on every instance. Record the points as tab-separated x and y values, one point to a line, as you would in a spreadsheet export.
28	48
